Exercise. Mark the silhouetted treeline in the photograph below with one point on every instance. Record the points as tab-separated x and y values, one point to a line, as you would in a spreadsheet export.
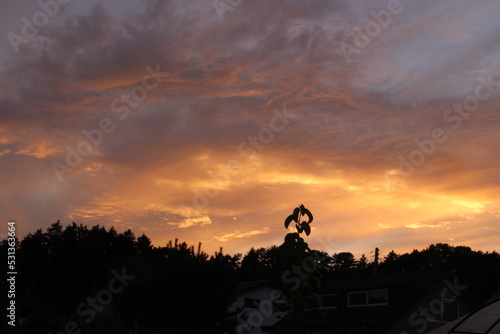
64	273
480	268
63	270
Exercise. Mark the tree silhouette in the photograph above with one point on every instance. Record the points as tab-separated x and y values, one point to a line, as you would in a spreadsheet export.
362	264
258	264
343	262
63	266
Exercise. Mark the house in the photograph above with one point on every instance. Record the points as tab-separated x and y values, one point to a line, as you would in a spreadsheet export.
414	302
396	303
254	306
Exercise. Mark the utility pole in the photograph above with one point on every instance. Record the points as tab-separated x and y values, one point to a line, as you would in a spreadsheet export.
375	263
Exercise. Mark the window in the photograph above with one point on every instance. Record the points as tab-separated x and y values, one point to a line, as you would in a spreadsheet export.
377	297
367	298
329	301
251	303
357	298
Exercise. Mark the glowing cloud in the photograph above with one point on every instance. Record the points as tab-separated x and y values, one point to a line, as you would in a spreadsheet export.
238	235
193	221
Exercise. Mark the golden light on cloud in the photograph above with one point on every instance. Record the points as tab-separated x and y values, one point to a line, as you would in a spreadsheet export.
194	221
348	212
421	225
239	235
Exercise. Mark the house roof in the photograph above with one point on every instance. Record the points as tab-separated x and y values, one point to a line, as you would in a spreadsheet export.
485	320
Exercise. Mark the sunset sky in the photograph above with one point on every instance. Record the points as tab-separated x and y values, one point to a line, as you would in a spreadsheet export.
210	121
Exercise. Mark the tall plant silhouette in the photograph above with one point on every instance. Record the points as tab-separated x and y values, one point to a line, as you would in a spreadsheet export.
300	279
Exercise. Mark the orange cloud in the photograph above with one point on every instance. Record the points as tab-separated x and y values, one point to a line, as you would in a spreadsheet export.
238	235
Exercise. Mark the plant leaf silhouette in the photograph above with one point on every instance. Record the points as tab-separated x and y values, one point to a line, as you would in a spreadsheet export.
306	228
304	211
294	216
288	220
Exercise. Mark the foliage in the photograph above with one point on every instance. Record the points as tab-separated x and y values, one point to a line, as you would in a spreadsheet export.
296	216
63	266
481	269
